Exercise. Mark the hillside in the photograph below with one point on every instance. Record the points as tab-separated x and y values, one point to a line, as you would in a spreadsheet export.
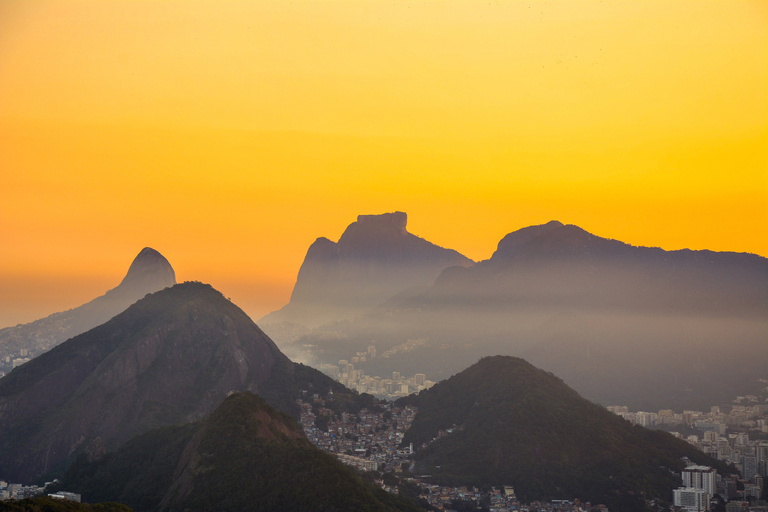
244	456
514	424
148	273
170	358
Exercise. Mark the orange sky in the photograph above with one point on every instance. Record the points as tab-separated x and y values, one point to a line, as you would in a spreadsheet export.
229	135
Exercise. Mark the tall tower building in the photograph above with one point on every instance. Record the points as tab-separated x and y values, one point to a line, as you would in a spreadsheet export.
761	452
748	467
700	477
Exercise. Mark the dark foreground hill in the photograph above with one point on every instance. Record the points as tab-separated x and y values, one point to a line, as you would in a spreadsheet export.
244	456
46	504
170	358
514	424
625	325
148	273
374	259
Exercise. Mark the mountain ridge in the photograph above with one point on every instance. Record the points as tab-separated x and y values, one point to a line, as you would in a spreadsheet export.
581	306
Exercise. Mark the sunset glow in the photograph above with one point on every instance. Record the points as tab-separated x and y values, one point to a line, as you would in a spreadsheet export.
229	135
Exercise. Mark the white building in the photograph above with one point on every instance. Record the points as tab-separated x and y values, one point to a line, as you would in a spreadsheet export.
692	500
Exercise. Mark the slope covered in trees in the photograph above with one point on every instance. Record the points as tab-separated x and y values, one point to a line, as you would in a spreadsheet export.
244	456
514	424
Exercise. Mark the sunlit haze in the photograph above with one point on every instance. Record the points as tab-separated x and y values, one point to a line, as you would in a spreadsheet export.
230	135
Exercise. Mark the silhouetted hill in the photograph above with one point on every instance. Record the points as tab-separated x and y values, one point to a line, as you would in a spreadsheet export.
244	456
170	358
148	273
625	325
374	259
514	424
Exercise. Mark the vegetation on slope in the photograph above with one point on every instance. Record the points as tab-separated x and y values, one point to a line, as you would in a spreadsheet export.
513	424
244	456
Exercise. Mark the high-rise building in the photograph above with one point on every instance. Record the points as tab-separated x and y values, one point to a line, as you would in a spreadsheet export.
372	352
419	379
748	467
761	451
692	500
395	375
700	477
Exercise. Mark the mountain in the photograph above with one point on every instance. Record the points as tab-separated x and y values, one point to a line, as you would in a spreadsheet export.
244	456
170	358
375	259
563	265
626	325
511	423
148	273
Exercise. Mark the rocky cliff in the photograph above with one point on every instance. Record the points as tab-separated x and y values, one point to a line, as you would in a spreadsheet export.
375	259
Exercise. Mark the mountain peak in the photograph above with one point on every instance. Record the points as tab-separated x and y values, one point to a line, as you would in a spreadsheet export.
375	233
149	268
395	219
149	272
551	239
509	421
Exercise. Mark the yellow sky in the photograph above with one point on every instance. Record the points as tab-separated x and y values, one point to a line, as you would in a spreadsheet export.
229	135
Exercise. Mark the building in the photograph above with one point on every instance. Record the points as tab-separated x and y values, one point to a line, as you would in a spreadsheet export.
357	462
748	467
700	477
64	495
692	500
761	453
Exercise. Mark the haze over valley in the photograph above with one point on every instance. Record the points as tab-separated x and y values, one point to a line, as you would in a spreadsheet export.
626	325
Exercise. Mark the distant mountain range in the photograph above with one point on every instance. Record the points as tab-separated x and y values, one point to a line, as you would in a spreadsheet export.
626	325
504	422
148	273
375	259
170	358
244	456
